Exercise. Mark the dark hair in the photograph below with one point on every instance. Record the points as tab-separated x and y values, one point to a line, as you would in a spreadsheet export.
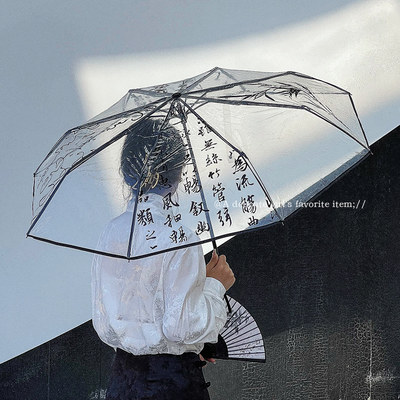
153	155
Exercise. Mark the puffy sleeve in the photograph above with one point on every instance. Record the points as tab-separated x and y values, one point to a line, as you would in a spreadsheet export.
194	306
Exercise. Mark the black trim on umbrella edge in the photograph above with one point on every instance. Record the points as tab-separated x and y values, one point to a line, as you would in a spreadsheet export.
148	254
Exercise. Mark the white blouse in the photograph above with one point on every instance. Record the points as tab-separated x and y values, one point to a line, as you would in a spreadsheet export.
158	304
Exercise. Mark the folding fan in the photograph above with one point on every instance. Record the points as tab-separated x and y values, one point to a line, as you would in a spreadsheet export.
240	339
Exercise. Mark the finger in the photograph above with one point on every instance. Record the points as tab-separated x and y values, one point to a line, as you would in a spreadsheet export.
214	260
222	259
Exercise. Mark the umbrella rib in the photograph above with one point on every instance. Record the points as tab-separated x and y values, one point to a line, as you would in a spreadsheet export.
225	71
149	92
230	85
241	153
138	194
212	129
128	253
359	121
114	139
198	100
120	115
202	78
221	70
244	102
341	129
207	212
125	113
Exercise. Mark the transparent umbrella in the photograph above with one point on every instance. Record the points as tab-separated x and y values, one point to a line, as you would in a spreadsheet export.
224	152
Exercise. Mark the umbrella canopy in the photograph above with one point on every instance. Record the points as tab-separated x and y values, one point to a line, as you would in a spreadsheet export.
197	160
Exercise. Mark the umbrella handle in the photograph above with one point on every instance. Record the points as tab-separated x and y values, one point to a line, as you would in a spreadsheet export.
228	305
215	247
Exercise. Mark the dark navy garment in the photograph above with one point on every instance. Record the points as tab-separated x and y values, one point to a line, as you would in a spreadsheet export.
157	377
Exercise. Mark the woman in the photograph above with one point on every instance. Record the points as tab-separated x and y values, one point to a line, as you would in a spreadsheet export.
158	311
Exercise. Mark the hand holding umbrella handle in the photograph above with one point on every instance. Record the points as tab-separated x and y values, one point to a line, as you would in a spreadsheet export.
219	269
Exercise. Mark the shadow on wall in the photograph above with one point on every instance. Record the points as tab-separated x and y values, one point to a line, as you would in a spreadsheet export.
323	288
